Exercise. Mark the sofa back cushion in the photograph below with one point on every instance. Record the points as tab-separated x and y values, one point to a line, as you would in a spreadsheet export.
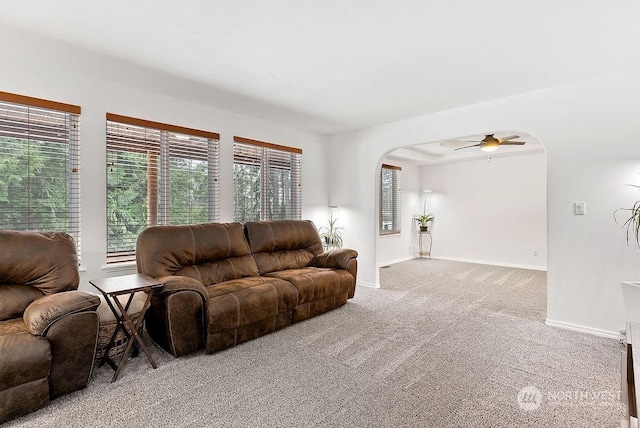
14	299
33	264
209	252
283	244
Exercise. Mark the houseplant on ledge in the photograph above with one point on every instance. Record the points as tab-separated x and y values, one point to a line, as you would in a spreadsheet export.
631	289
331	236
423	221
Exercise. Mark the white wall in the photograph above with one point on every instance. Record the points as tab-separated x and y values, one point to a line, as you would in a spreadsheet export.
402	246
490	211
34	70
589	130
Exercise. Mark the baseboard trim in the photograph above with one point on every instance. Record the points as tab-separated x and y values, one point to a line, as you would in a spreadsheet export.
367	284
583	329
484	262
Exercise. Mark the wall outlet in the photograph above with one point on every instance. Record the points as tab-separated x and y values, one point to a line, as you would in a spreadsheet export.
535	252
579	208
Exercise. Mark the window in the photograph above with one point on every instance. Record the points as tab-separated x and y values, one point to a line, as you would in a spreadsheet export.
266	181
390	199
39	165
156	174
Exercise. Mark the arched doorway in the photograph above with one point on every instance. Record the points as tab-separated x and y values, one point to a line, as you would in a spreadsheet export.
489	207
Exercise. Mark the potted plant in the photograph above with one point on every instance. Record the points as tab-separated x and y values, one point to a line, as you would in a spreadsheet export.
423	221
632	224
631	289
331	236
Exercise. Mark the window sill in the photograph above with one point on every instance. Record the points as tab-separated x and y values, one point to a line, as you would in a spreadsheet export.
119	267
391	234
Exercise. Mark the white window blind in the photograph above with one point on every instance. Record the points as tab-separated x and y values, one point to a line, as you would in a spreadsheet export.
39	165
157	174
390	199
266	181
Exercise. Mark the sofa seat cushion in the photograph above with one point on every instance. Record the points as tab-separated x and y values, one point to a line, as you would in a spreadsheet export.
315	284
13	326
241	302
24	357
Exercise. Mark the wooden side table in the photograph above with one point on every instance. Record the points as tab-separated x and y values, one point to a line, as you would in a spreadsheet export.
123	285
631	374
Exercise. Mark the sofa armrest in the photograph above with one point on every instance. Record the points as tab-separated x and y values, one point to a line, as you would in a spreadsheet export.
43	312
173	284
337	259
176	318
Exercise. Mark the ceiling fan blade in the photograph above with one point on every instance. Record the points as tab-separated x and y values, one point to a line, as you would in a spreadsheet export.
475	145
456	144
512	143
510	137
453	144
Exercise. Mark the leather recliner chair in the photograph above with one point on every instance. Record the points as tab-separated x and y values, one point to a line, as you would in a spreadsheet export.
48	329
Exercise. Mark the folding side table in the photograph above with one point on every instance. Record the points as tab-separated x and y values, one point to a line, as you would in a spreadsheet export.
123	285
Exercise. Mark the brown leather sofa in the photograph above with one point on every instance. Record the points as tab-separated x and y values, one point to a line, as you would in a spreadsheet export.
48	329
225	284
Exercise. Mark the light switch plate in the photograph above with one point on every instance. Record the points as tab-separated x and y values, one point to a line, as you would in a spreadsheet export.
579	208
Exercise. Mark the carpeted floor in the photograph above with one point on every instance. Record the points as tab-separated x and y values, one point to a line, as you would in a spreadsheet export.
442	344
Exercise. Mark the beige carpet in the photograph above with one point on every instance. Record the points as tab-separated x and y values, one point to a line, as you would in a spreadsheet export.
442	344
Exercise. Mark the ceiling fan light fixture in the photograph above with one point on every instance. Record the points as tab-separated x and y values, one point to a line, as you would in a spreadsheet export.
489	147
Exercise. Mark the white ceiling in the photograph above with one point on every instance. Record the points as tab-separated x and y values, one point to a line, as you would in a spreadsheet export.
332	66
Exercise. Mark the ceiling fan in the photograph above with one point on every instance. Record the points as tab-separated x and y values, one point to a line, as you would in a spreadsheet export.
488	144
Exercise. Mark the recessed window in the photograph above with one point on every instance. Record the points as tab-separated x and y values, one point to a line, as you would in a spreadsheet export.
157	174
39	165
390	199
266	181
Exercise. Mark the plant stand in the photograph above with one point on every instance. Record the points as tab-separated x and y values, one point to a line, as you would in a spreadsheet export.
425	242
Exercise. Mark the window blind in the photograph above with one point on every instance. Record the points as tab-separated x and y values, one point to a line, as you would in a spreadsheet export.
193	181
132	186
267	181
39	165
157	174
390	200
247	182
